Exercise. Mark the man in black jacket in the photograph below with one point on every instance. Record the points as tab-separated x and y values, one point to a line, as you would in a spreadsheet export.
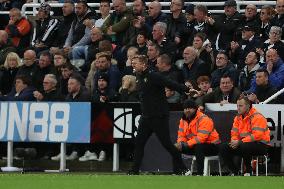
155	112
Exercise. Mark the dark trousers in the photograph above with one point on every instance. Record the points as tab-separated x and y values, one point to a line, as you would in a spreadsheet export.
200	151
245	150
159	126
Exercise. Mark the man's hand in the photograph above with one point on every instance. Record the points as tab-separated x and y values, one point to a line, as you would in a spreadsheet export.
178	146
234	144
269	67
38	95
252	97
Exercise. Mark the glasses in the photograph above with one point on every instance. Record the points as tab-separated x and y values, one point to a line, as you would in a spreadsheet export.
280	6
274	33
220	58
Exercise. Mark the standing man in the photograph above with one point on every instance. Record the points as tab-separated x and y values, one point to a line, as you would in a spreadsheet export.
250	136
155	113
196	134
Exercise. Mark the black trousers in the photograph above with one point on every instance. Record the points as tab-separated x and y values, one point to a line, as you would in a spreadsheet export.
200	151
159	126
245	150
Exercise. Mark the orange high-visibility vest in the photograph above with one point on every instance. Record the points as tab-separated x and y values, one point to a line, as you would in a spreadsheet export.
253	127
197	131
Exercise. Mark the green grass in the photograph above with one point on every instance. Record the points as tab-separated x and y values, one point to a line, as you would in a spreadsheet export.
89	181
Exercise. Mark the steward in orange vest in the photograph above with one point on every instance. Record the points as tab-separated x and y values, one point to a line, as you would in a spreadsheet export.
250	136
197	135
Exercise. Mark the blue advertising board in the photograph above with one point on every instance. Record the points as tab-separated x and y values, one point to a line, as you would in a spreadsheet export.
45	122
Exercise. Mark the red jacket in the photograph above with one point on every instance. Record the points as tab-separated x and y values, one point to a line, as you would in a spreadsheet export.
199	130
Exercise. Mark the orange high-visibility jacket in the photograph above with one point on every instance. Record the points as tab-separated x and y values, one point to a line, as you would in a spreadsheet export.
199	130
253	127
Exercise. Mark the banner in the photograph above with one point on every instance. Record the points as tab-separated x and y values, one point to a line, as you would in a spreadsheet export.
45	122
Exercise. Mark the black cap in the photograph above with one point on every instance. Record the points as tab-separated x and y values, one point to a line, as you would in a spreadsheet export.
190	9
45	7
103	76
189	104
248	28
230	3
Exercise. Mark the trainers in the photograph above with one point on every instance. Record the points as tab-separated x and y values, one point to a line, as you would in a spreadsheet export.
187	173
72	156
56	158
88	156
247	174
102	156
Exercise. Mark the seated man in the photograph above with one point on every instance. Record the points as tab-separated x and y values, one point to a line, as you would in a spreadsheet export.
197	135
263	89
250	136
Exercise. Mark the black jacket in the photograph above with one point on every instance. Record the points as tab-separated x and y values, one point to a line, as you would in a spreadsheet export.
7	77
218	73
151	86
82	96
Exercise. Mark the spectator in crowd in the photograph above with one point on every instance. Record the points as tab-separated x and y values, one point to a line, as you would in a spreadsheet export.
103	93
197	135
59	59
278	19
248	72
172	96
189	27
224	66
64	26
250	136
22	90
165	66
155	15
266	15
104	65
50	92
88	52
263	88
159	37
128	90
139	14
154	118
274	41
193	67
141	42
45	29
128	69
224	94
176	22
89	83
203	83
202	24
153	53
275	67
118	22
239	50
19	30
105	13
201	44
30	66
66	72
226	25
45	66
251	18
5	46
79	33
8	72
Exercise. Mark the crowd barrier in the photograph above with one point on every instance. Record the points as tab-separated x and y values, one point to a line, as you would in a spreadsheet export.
64	122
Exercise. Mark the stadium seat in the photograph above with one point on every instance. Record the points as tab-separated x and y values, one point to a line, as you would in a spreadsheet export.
256	159
206	169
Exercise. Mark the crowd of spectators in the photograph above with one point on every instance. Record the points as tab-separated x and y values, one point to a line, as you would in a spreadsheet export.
86	56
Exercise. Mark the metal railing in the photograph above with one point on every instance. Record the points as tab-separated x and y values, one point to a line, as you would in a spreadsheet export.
165	6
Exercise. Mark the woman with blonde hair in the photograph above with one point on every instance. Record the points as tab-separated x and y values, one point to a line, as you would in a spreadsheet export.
128	91
8	72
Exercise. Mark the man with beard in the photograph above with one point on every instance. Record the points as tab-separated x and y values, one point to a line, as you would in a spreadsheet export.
196	134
